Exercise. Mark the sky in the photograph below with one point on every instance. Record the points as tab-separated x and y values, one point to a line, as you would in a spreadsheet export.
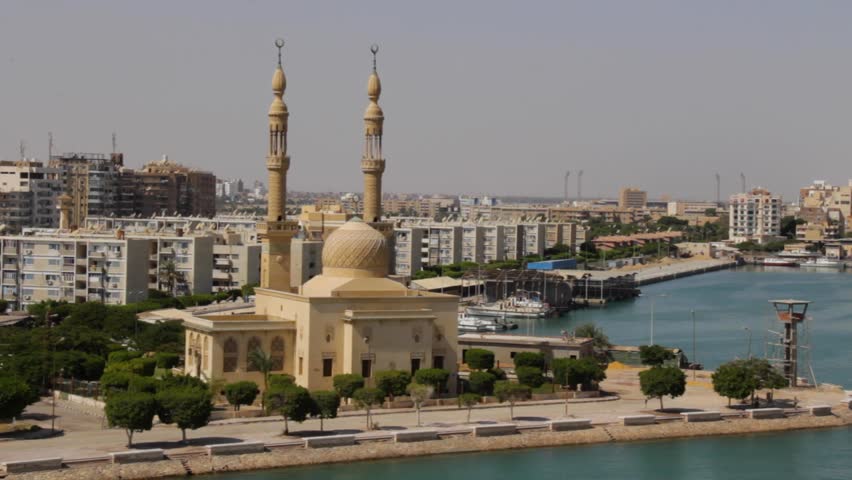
487	97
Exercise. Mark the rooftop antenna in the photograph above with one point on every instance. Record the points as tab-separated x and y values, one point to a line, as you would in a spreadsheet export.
743	182
22	149
567	174
580	185
718	190
49	145
114	142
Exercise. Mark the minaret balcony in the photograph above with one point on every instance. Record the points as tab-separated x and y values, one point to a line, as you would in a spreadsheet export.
373	165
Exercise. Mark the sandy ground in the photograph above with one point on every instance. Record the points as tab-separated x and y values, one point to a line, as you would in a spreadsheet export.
84	435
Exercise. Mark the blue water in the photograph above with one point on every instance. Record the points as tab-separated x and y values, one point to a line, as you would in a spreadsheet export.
726	302
821	454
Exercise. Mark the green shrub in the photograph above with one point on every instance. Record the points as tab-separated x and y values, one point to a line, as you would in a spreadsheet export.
241	393
529	359
141	384
121	356
346	384
435	377
529	376
482	383
134	412
327	403
15	395
393	382
479	359
115	381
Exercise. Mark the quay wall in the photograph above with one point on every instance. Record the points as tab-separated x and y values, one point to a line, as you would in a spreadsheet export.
664	273
287	455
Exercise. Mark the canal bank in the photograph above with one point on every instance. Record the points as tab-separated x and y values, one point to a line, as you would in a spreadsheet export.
281	456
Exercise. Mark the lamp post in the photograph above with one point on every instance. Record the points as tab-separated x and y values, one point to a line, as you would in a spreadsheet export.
694	359
653	298
749	341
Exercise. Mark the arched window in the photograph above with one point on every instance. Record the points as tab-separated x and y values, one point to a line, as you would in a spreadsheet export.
232	352
253	346
277	356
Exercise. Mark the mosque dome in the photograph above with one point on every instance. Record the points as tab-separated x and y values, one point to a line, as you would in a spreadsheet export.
355	250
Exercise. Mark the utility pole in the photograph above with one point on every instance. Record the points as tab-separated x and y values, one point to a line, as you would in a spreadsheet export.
49	145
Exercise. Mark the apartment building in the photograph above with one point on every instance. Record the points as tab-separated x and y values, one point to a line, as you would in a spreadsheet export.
167	188
94	182
305	260
421	244
72	268
236	260
629	197
754	216
28	193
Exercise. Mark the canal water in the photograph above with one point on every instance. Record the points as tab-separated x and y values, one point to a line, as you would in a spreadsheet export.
730	307
809	455
725	303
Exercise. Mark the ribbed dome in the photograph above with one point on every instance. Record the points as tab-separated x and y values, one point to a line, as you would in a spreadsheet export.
355	250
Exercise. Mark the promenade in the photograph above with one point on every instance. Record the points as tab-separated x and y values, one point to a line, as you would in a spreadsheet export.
85	437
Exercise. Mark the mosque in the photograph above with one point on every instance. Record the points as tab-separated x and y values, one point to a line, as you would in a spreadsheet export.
350	319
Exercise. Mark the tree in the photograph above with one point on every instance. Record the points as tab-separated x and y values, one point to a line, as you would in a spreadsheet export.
529	359
392	382
241	393
654	355
657	382
469	400
366	398
788	225
572	372
134	412
436	377
293	402
248	289
529	376
115	381
167	360
419	393
15	395
507	391
481	383
186	407
479	359
346	384
264	364
589	330
170	277
733	380
327	403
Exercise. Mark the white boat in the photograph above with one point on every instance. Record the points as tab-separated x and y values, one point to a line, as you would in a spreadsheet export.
523	304
468	323
780	262
824	262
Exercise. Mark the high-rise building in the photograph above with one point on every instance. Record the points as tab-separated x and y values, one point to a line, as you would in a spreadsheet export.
93	181
168	188
754	216
28	195
629	197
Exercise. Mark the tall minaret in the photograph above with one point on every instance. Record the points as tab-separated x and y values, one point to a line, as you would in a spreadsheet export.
372	162
276	232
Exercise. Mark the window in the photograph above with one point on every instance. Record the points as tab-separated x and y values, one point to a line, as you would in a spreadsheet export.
253	346
301	363
415	365
53	261
29	261
438	361
327	366
231	354
277	355
366	368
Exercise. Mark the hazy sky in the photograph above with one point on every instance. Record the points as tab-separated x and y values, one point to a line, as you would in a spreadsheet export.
492	97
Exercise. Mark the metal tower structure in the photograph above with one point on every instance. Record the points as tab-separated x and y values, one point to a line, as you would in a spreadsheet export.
718	191
792	347
580	185
567	174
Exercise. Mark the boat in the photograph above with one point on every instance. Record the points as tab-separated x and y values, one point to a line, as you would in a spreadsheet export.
823	262
469	323
523	304
779	262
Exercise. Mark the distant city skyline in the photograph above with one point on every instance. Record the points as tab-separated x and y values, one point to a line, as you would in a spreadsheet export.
489	97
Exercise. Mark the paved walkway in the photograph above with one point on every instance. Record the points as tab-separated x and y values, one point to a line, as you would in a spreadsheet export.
84	436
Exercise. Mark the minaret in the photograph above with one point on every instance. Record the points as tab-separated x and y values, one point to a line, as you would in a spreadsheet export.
276	232
372	162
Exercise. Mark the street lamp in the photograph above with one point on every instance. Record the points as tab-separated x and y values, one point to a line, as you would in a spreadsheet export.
749	340
653	297
694	359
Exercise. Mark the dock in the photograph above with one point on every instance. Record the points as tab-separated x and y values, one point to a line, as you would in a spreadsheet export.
662	273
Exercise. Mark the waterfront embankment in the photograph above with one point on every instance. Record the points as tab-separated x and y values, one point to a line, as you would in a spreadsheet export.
671	271
284	455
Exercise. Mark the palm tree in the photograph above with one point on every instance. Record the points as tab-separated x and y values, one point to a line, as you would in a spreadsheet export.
262	361
170	276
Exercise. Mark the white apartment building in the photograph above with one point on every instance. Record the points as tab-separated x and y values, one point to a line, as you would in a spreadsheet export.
109	269
28	193
754	216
